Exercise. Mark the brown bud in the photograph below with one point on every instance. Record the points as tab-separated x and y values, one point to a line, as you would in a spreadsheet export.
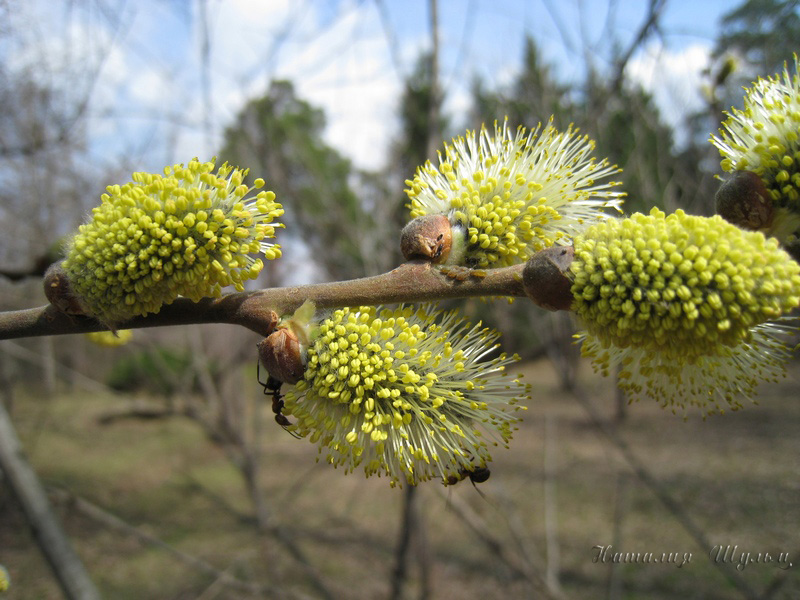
544	278
281	355
428	238
59	292
744	200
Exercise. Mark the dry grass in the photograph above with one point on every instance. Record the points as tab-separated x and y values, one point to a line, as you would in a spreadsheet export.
737	477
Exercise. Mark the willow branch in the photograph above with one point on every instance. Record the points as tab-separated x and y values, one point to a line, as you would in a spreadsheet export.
414	281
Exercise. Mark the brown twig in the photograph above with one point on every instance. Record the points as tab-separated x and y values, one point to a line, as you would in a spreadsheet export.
407	530
414	281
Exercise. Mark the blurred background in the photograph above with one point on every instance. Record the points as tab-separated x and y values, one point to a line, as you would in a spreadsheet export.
162	457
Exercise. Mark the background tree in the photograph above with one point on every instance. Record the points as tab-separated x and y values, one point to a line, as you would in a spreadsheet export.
236	507
533	97
762	32
282	135
417	134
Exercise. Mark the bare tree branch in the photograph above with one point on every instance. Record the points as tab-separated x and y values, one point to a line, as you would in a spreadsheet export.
410	282
650	24
517	564
106	519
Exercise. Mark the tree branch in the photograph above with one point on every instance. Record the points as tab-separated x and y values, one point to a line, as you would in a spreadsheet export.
107	519
414	281
649	25
66	565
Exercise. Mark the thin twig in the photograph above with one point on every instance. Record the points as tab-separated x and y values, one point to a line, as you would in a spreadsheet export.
496	547
105	518
553	550
267	524
614	586
648	26
22	353
54	544
399	572
411	282
776	583
229	426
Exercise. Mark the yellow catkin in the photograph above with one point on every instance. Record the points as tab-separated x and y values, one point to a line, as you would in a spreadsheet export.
509	195
188	232
381	391
684	305
764	138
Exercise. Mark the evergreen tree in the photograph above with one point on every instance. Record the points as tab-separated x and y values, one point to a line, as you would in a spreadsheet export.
629	132
410	149
764	32
756	39
533	98
279	136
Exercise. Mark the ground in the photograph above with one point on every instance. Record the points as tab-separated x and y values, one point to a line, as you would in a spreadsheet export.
735	477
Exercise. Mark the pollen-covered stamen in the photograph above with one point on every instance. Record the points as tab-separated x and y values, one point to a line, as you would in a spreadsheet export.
764	138
658	293
407	393
188	232
712	382
514	194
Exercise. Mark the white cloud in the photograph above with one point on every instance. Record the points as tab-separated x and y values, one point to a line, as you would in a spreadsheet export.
355	85
337	55
674	79
64	59
341	66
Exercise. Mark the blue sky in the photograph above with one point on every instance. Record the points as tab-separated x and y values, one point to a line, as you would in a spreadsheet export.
348	57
